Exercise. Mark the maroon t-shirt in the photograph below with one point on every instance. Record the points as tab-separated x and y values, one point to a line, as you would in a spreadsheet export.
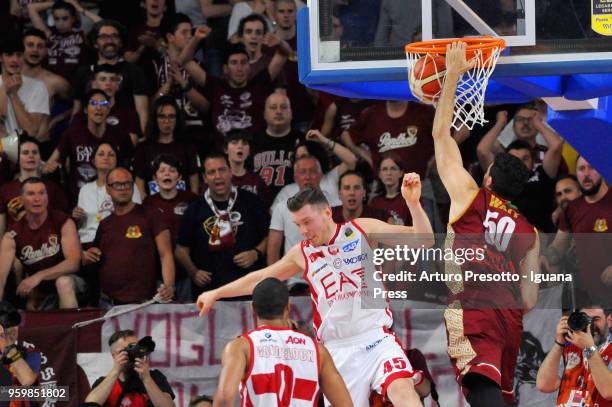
252	182
78	145
146	153
408	136
171	209
396	207
5	169
122	119
368	212
66	52
592	251
11	202
129	264
347	112
238	108
39	249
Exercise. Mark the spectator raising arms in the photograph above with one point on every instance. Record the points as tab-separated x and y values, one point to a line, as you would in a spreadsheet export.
66	41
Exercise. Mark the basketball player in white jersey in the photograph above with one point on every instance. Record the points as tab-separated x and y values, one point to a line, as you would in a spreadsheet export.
336	260
276	365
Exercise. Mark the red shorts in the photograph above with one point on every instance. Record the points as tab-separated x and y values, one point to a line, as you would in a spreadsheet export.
486	342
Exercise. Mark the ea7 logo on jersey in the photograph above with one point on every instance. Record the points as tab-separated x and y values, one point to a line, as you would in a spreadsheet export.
314	256
350	246
355	259
295	341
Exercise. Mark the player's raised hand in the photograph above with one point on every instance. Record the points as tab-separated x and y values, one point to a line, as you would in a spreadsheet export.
205	302
456	61
411	188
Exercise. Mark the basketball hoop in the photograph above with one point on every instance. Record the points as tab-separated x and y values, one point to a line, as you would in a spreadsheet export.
426	81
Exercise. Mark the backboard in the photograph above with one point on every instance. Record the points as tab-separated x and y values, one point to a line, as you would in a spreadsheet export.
363	40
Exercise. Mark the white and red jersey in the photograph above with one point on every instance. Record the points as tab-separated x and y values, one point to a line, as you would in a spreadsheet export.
341	285
283	370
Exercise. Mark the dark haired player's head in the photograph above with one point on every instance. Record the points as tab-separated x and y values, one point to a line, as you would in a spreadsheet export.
507	176
307	196
271	299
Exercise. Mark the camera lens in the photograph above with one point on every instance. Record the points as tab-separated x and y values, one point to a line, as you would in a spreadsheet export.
578	321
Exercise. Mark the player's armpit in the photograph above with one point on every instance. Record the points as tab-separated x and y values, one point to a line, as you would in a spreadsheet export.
235	362
331	382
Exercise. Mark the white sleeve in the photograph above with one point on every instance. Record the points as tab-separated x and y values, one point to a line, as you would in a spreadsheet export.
136	198
239	11
38	99
278	220
507	134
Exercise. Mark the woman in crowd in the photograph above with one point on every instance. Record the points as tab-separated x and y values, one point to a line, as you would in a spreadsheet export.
94	203
162	137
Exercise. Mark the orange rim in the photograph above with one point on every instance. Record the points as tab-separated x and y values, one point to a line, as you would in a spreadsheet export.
485	44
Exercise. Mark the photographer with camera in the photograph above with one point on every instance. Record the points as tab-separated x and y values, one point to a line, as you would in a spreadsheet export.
130	377
584	375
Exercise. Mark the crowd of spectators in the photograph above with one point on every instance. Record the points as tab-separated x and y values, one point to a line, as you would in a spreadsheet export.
180	137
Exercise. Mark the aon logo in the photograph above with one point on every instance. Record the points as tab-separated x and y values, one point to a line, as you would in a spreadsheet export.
295	341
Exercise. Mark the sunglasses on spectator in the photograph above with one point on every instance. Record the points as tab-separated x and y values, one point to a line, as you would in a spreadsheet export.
121	186
102	103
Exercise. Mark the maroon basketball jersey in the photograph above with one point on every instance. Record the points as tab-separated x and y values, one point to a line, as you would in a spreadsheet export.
39	249
500	237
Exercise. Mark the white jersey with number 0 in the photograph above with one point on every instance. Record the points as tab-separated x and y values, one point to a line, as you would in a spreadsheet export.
343	301
283	370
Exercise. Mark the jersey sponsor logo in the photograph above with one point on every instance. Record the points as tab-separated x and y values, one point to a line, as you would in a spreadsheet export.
601	225
315	255
373	345
133	232
349	233
295	340
387	142
355	259
333	250
314	273
350	246
338	263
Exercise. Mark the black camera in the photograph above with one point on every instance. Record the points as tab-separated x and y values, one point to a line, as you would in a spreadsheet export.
579	321
140	349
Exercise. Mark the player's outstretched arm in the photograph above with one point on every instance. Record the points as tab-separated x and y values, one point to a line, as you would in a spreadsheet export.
529	289
332	385
457	181
234	362
291	264
411	192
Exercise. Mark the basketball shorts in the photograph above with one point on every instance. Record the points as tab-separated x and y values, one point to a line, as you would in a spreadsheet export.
370	361
486	342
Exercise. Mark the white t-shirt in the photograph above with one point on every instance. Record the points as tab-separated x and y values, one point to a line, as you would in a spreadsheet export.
35	98
192	9
242	10
329	186
97	204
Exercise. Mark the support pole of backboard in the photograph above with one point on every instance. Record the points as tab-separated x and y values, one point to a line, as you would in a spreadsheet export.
471	17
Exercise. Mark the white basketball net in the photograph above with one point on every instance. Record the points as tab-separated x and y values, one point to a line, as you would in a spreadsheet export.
469	101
